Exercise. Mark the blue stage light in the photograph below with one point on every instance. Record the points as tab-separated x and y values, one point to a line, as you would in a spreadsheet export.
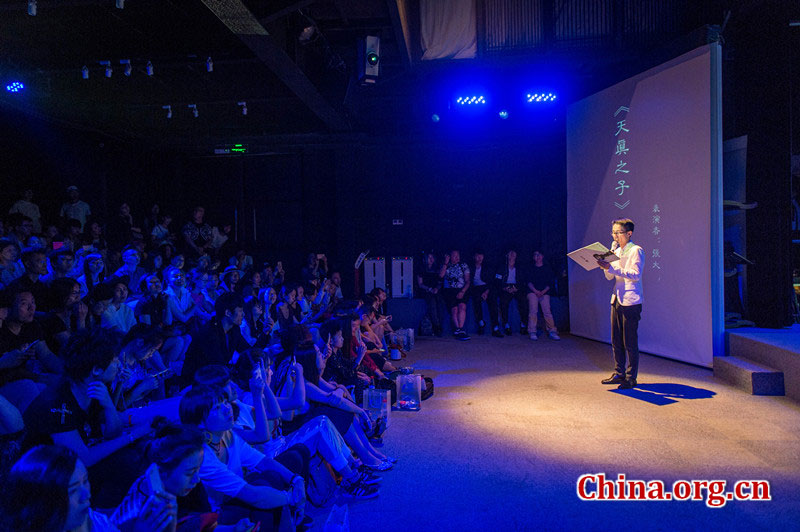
470	100
15	86
540	97
435	117
503	114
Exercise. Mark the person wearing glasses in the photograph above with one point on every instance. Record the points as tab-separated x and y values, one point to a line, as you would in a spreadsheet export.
626	303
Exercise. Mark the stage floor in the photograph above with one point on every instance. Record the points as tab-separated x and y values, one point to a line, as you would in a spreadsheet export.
514	423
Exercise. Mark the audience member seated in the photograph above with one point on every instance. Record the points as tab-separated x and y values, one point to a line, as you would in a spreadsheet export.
319	434
429	282
269	493
131	270
10	268
61	263
218	340
79	413
75	208
350	420
67	315
510	285
175	455
478	292
456	277
540	282
26	363
48	489
119	315
141	369
34	260
197	235
93	271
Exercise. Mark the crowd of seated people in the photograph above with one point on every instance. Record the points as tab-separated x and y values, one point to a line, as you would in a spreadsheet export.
264	369
452	282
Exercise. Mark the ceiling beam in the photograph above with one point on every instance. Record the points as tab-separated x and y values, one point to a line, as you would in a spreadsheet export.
286	11
241	21
400	15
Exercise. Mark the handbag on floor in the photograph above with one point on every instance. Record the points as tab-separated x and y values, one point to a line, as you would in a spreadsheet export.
409	392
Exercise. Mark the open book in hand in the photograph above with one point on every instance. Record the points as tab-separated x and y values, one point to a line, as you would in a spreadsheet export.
589	255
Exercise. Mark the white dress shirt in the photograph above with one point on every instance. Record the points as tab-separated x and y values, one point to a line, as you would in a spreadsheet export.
627	275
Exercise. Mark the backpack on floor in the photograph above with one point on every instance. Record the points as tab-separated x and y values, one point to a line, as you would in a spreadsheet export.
322	482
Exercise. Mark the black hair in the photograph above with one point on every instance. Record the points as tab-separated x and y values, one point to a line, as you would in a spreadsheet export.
247	362
87	349
627	223
60	291
330	328
212	375
172	444
306	355
102	292
29	253
149	334
196	404
37	490
229	301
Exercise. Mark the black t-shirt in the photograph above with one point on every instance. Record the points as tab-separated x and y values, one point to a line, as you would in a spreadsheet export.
541	277
9	341
212	345
154	307
37	288
52	325
430	278
55	411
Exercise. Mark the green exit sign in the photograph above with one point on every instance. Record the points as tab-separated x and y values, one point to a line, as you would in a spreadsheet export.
228	149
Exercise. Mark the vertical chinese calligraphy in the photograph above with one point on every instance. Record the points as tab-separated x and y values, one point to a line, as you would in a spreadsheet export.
655	264
621	152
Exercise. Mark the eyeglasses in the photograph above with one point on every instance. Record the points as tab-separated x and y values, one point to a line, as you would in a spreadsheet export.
618	233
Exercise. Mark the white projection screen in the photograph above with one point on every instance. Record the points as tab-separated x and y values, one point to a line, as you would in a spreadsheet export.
649	148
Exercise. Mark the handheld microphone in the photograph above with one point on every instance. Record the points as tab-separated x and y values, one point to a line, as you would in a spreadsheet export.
614	245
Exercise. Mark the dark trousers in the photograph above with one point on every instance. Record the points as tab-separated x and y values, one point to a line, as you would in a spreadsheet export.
475	293
625	338
432	304
521	296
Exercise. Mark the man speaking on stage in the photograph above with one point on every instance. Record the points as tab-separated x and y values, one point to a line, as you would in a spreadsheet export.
626	303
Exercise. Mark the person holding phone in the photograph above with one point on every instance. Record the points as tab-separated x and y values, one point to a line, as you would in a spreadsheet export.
175	455
48	488
268	492
79	413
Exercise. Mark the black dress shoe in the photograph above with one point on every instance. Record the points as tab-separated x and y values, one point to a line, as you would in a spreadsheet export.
496	333
614	379
627	384
481	329
508	331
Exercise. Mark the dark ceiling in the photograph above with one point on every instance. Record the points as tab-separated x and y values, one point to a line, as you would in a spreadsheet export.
291	88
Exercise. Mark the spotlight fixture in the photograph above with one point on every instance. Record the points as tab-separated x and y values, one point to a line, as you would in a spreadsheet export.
435	118
503	114
540	97
32	8
471	100
193	107
308	34
15	86
128	66
243	105
120	4
109	70
85	72
168	108
149	68
209	65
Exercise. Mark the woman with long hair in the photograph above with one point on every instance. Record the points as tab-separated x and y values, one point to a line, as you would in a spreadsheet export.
175	454
48	490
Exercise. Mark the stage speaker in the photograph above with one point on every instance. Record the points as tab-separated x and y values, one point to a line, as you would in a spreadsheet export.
402	277
374	273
